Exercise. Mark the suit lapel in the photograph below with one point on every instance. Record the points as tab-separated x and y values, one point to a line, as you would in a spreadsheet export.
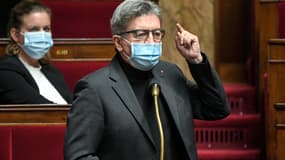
124	90
170	97
174	103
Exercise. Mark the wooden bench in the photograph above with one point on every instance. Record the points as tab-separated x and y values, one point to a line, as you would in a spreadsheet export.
38	113
32	141
78	57
32	132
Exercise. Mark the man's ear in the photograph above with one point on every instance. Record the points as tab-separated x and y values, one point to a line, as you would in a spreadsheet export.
14	34
117	42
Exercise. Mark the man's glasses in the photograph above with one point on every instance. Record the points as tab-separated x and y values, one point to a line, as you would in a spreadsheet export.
143	34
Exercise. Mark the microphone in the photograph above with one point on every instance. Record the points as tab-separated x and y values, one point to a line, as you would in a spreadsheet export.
155	89
155	93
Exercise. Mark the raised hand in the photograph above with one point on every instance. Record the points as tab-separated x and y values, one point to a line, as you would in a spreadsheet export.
188	45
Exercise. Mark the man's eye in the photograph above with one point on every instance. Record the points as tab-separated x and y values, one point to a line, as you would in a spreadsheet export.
47	29
33	30
157	34
141	34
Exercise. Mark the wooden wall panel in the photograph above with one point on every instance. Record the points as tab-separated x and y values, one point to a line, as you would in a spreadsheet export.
266	28
232	41
275	110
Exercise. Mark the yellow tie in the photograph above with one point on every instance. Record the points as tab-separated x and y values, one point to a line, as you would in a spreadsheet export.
155	93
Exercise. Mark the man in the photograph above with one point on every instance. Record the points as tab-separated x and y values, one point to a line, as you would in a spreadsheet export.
138	107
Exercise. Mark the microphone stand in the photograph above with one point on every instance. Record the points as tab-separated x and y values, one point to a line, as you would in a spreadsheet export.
155	93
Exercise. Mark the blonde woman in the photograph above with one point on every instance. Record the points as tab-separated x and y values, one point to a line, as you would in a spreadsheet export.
25	77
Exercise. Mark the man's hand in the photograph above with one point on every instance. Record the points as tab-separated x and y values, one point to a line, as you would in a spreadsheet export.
188	45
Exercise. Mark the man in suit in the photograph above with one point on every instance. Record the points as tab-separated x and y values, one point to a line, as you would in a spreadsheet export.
139	107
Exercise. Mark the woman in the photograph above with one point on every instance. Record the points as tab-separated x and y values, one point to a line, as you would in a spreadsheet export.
26	77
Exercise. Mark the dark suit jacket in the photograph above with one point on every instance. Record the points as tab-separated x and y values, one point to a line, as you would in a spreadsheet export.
107	123
17	85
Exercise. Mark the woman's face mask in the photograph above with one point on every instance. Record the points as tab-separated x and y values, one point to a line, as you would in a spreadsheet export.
37	44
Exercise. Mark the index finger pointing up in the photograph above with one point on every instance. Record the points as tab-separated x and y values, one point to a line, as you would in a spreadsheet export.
179	28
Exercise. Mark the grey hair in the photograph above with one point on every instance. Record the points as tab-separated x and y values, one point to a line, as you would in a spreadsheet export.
131	9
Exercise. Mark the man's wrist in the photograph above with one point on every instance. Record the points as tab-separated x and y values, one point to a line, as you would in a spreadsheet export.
197	60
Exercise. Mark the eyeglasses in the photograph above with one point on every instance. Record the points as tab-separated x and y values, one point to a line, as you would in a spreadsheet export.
143	34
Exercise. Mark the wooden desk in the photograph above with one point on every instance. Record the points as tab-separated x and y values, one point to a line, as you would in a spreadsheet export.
275	110
100	49
33	113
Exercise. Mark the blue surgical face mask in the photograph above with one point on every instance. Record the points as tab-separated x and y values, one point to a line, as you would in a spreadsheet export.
37	44
144	56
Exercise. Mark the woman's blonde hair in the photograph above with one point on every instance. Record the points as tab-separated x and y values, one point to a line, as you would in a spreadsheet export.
16	20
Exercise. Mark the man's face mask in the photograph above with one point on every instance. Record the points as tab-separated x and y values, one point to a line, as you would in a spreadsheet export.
144	56
37	44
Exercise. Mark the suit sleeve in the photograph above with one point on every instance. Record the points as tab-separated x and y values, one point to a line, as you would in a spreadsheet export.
209	101
14	89
85	115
